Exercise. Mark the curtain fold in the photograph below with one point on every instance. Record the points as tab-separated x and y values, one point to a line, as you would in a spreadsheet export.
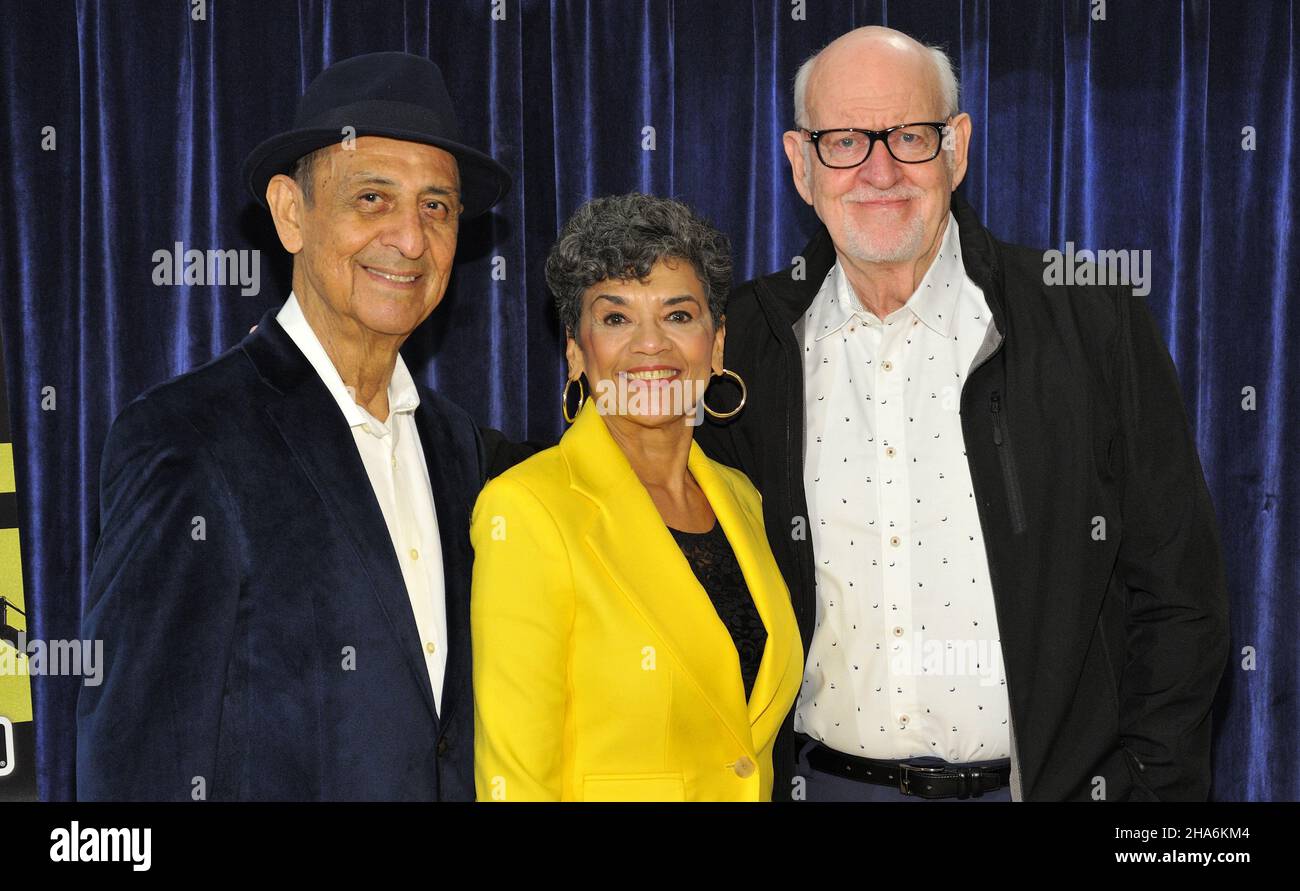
1167	127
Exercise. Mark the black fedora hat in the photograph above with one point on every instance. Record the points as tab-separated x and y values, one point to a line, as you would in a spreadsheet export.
397	95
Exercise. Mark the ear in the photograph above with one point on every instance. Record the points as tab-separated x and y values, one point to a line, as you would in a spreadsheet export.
719	353
793	142
959	131
573	353
285	200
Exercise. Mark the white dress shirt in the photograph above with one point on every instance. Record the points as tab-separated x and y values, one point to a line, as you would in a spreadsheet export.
394	461
905	659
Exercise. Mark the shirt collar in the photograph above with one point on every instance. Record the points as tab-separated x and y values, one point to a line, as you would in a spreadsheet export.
934	302
402	393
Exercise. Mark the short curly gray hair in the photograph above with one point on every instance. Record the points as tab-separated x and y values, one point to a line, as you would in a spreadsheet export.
622	237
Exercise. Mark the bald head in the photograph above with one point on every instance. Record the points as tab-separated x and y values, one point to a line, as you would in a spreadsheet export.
899	69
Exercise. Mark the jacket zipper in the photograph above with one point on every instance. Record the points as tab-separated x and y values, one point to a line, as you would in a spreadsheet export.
1016	782
1008	464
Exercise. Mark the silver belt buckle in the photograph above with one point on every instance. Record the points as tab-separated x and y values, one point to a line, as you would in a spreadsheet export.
905	781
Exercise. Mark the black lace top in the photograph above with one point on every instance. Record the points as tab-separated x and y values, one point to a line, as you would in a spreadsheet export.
715	566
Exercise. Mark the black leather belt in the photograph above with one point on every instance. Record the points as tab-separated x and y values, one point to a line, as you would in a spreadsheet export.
909	779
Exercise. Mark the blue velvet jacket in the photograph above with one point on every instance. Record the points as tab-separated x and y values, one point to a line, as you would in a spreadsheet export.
258	638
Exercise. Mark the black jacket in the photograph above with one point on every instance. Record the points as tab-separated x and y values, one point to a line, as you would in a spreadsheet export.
1113	646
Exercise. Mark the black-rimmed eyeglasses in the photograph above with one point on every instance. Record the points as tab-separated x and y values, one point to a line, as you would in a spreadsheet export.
913	143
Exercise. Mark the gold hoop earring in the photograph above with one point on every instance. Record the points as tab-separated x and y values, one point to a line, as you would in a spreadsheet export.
744	393
564	399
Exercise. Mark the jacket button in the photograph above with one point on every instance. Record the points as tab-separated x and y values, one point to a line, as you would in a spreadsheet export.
743	767
443	746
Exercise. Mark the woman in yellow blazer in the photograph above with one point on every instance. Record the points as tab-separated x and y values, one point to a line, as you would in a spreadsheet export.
632	637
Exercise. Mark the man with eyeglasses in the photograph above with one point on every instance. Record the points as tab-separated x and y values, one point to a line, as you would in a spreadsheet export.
981	488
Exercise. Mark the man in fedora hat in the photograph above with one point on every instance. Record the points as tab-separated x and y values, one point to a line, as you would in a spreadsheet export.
282	576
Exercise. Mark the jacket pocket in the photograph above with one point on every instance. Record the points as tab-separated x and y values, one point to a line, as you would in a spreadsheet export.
1009	479
1141	791
634	787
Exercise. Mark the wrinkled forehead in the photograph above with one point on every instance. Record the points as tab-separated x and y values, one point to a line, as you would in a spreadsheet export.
394	158
873	90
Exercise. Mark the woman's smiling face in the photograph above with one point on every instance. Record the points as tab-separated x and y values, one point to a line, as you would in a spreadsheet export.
652	339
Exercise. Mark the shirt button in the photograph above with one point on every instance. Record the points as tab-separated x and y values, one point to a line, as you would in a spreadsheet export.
429	647
887	365
415	555
903	719
895	541
743	767
394	461
890	452
898	631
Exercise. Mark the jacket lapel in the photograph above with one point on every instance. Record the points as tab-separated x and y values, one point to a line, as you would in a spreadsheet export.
452	496
309	420
630	540
746	535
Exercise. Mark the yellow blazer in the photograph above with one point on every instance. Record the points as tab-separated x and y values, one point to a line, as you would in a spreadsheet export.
601	669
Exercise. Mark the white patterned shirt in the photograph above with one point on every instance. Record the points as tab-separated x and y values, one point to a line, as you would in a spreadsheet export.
395	464
905	660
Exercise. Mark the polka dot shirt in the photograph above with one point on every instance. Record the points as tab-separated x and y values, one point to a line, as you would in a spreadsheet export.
905	659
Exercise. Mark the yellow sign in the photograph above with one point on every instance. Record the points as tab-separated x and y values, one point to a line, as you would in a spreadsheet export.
15	688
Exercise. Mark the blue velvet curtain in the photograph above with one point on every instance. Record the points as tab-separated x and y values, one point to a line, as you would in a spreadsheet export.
1164	126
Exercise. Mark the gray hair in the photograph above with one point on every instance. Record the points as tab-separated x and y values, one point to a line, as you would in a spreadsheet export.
622	237
949	89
